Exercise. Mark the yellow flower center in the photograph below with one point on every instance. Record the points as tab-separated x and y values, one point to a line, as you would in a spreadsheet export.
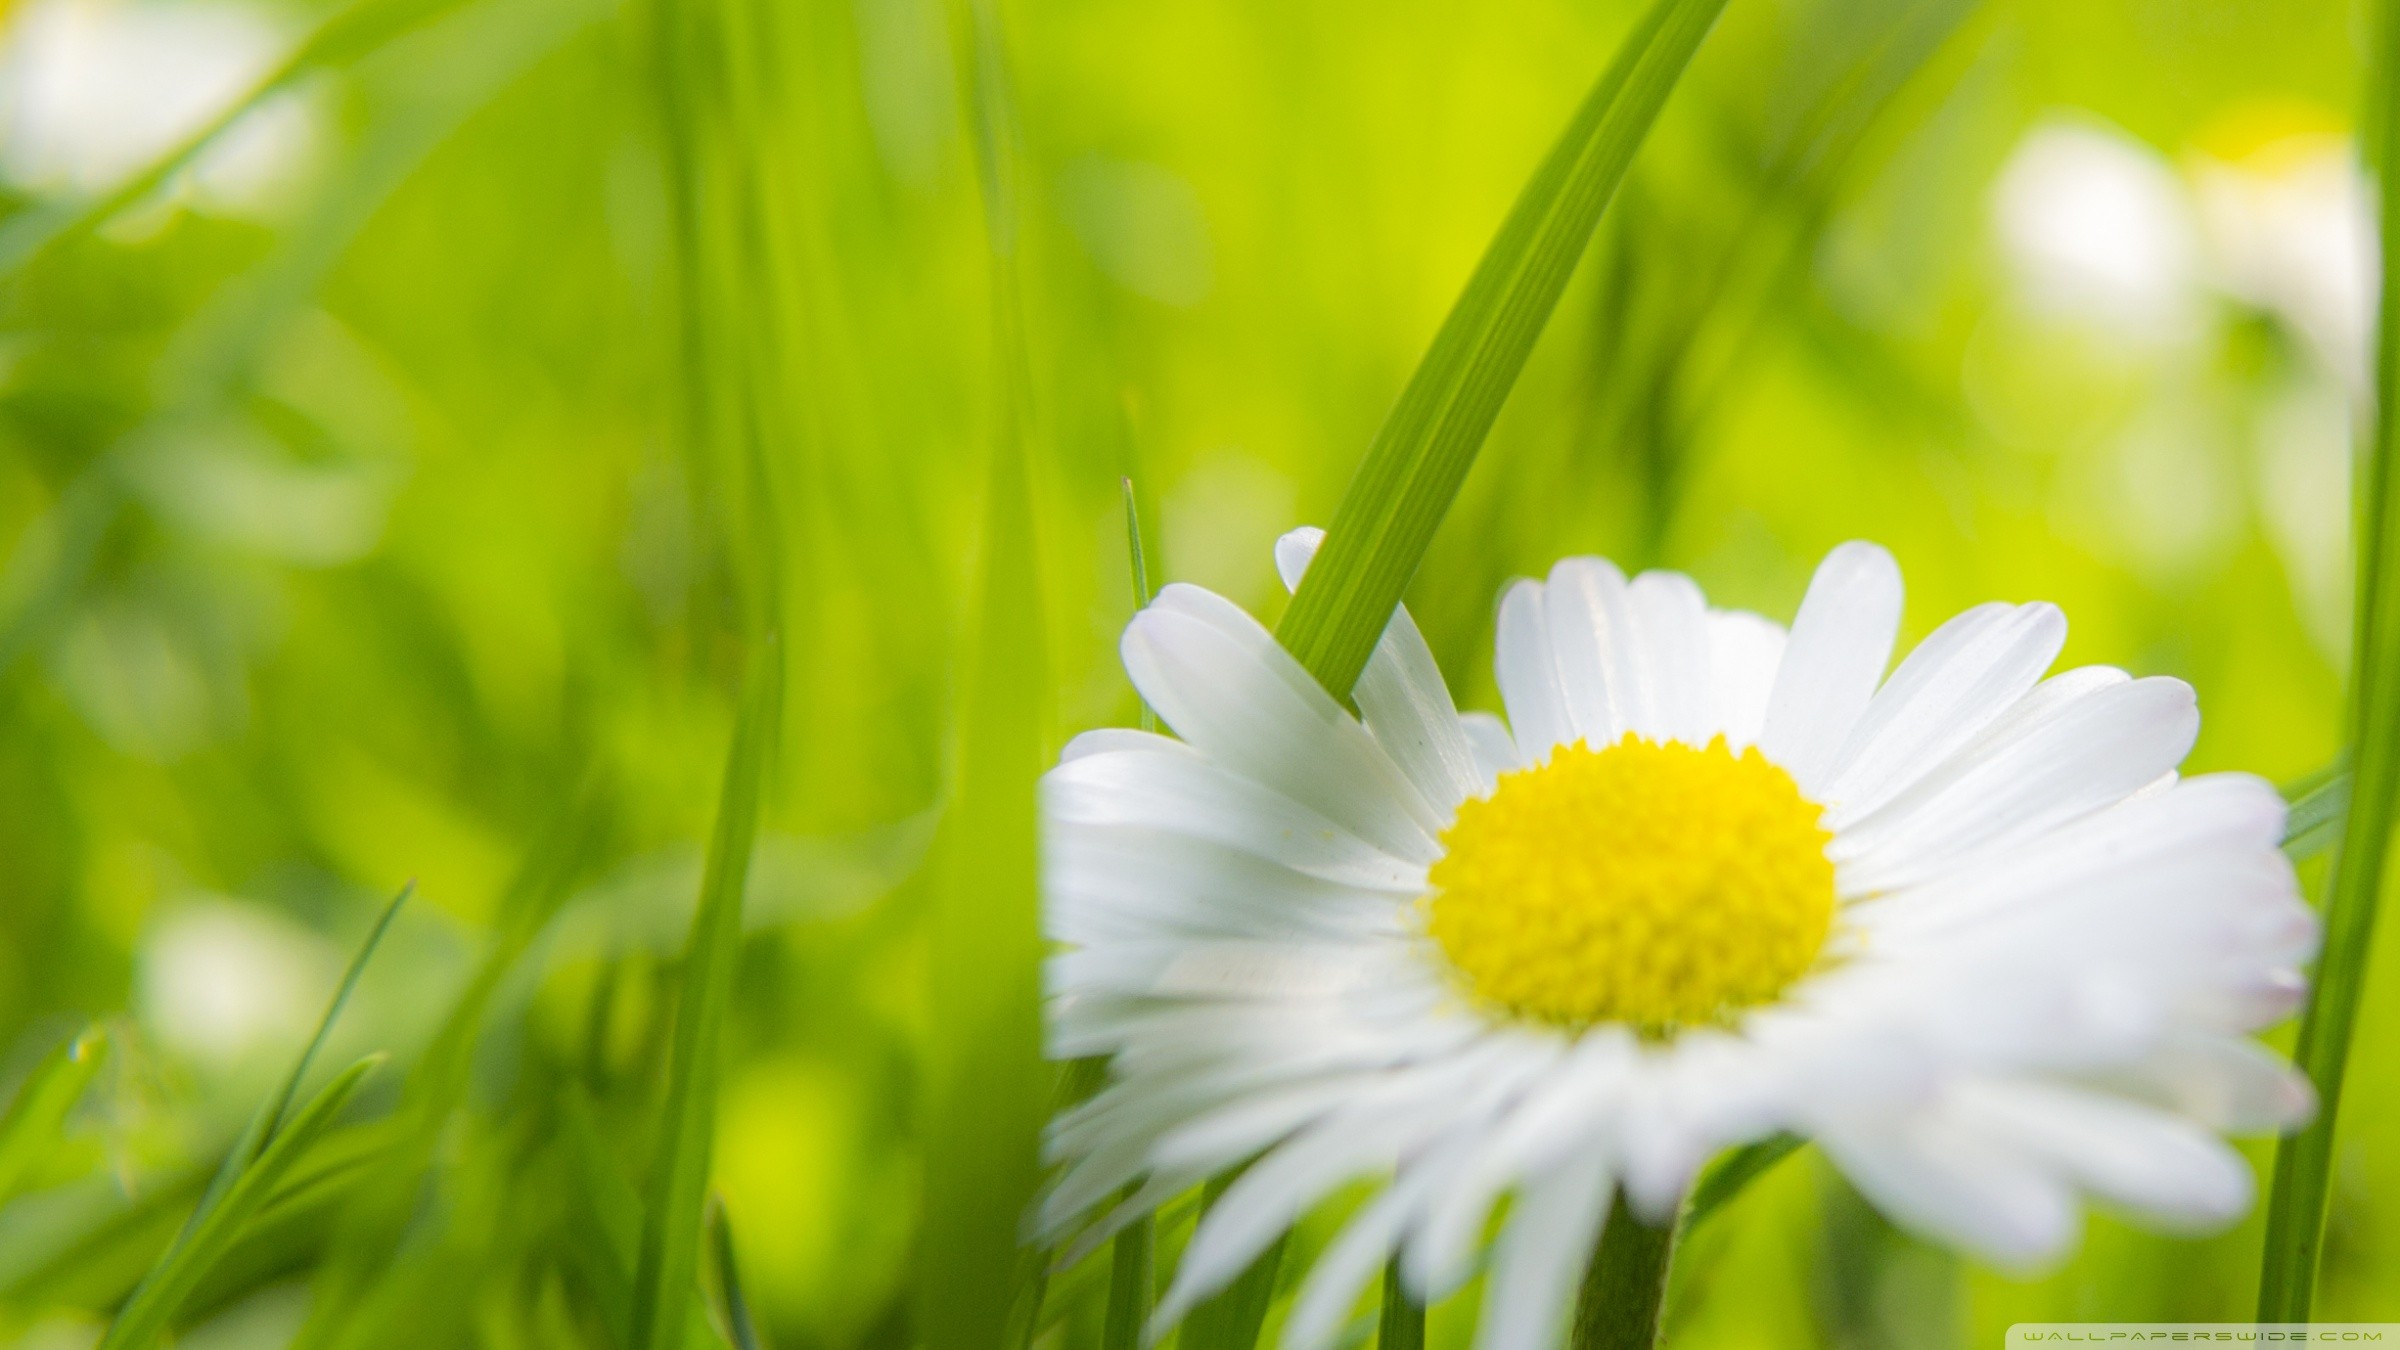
1657	885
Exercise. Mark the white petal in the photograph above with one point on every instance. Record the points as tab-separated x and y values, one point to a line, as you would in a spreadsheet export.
1495	750
1528	674
1744	651
1373	1129
1951	687
1593	643
1541	1255
1122	883
2085	754
1673	656
1568	1109
1177	792
1342	1270
2227	1082
1840	642
1947	1182
1221	681
2161	1165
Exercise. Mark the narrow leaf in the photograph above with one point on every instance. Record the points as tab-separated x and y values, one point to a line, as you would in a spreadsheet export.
732	1311
2304	1163
30	1132
244	1177
1422	454
1733	1174
2318	804
1132	1274
215	1226
671	1221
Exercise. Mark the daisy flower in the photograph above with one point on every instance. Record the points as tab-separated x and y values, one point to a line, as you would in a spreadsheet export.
1963	927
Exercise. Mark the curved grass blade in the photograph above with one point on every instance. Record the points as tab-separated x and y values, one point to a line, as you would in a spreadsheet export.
1422	454
2304	1162
671	1222
29	1133
1733	1174
224	1213
2318	804
246	1179
732	1311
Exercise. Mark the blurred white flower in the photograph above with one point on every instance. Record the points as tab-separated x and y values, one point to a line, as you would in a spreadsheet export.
219	978
2097	227
93	90
2288	229
2304	499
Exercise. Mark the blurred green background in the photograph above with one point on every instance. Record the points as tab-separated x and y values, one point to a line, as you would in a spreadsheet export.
388	493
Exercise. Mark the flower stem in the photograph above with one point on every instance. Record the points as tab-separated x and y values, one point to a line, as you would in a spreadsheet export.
1403	1324
1626	1283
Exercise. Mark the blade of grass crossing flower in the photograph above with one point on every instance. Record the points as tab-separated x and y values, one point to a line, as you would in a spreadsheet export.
2304	1163
223	1214
1422	454
986	1085
677	1193
30	1132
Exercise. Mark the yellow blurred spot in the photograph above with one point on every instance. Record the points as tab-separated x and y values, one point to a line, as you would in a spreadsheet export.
1659	885
2268	134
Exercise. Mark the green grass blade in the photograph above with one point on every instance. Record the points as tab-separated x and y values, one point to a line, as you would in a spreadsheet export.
1422	454
1230	1318
2304	1163
1733	1173
244	1176
677	1193
225	1213
732	1310
986	1084
30	1132
1132	1273
273	1114
1139	560
2318	805
342	38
